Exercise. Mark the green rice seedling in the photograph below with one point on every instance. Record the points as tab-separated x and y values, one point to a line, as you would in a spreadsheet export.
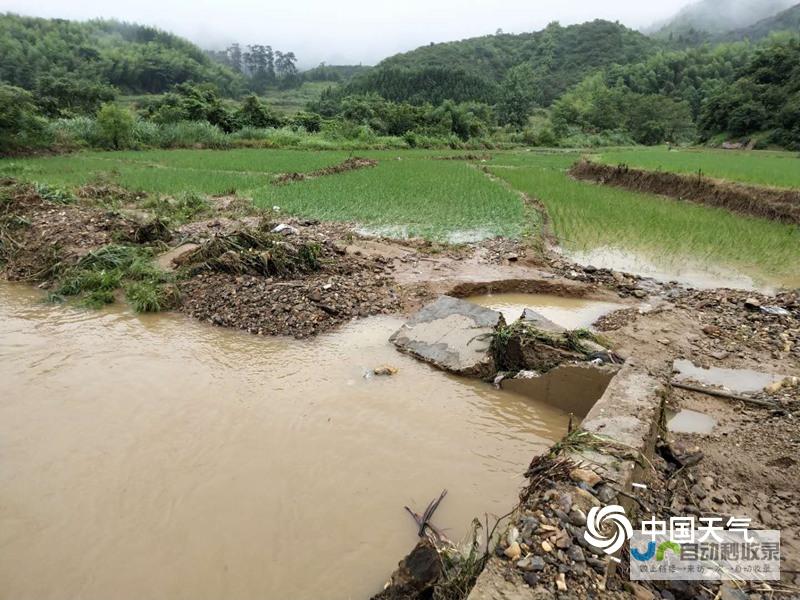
780	169
666	232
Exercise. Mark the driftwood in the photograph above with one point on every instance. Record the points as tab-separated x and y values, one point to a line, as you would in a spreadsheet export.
423	521
722	394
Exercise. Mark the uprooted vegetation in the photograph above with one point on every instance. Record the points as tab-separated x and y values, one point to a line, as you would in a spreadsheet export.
240	273
351	164
96	278
255	252
523	346
766	202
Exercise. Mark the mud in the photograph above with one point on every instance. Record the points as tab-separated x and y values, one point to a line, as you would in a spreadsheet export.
39	235
351	164
769	203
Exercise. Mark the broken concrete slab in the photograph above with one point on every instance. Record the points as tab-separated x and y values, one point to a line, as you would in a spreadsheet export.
573	388
540	322
452	334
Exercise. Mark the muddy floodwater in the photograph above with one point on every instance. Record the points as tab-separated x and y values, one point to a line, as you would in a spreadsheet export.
572	313
694	273
157	457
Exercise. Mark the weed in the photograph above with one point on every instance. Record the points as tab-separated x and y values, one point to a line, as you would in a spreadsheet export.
95	278
54	194
150	296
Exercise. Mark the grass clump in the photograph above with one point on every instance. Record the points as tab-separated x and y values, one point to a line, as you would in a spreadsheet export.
54	194
94	280
178	209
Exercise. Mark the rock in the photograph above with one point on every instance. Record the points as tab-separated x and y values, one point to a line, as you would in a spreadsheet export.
547	546
534	563
698	491
513	551
452	334
385	370
575	554
419	570
606	494
532	579
577	517
639	592
752	303
583	500
664	341
639	293
285	229
712	330
561	582
587	476
729	592
774	388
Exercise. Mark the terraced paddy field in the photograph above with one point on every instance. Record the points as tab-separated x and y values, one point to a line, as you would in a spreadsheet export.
780	169
416	194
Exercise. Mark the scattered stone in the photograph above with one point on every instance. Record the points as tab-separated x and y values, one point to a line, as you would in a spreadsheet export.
385	370
561	582
575	554
606	494
513	551
532	579
285	229
587	476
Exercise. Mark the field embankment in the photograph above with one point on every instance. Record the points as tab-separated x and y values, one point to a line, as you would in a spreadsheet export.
767	202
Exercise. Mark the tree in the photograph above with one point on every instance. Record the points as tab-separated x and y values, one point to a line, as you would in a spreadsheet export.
21	127
518	95
253	113
114	126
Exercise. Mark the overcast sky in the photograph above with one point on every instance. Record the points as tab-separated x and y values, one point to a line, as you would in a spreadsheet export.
347	31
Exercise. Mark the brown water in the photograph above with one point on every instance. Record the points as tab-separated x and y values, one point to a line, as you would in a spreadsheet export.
571	313
697	274
156	457
739	381
690	421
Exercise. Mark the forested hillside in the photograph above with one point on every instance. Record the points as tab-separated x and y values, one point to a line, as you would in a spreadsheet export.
787	20
547	61
719	16
72	66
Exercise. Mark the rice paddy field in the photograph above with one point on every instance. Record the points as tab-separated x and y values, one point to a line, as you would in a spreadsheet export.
668	233
781	169
411	193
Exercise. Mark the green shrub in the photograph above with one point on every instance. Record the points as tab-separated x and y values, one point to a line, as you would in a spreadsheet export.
115	127
21	126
